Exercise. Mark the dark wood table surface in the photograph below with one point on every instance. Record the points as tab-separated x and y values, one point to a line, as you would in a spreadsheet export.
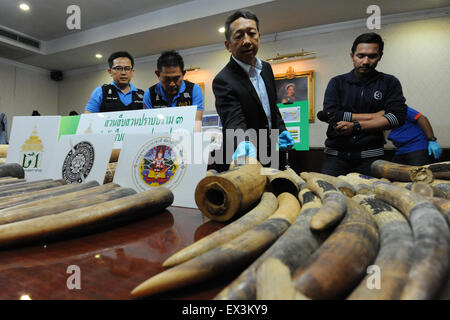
112	262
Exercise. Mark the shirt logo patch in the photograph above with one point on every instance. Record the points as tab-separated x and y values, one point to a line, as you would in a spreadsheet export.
378	95
140	95
110	91
186	95
157	97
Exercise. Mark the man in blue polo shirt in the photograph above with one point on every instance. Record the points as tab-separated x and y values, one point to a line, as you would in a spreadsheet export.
172	90
415	140
120	94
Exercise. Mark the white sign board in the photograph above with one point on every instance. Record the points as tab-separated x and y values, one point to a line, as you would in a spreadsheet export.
32	144
146	121
82	158
162	161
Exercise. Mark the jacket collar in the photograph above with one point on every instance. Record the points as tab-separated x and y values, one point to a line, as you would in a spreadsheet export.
247	67
244	78
351	78
132	87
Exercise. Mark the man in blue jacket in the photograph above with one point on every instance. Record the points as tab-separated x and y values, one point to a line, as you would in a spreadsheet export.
415	140
361	104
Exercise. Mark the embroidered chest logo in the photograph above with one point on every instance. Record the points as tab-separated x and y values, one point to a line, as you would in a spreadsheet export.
378	95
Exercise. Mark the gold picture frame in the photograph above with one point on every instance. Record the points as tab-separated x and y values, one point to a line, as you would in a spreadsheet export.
303	84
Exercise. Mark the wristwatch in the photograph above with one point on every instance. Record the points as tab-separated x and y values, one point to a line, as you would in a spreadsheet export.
432	138
356	127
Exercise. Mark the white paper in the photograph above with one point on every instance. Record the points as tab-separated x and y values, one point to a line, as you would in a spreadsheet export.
82	158
163	161
32	144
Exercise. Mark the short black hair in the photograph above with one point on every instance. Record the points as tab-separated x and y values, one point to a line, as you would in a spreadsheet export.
73	113
170	58
247	14
35	113
120	54
370	37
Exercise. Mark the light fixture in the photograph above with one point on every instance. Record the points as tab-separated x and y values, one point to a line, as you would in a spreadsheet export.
192	68
303	53
98	56
25	297
222	29
24	7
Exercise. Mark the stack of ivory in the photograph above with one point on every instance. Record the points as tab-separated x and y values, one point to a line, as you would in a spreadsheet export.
313	236
40	210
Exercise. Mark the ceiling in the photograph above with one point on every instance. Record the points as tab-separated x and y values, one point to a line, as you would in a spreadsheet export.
147	27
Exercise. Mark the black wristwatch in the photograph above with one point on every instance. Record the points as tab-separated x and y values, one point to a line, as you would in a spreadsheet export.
433	138
356	127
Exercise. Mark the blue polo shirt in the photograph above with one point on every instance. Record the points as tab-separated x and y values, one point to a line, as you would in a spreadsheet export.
197	96
409	137
95	101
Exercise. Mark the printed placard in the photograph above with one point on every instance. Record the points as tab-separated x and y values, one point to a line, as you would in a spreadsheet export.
146	121
171	161
82	158
291	115
32	144
295	117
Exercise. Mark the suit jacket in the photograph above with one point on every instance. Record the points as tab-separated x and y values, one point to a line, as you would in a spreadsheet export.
238	104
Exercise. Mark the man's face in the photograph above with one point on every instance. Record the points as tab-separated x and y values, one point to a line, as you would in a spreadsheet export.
244	40
121	71
365	58
171	79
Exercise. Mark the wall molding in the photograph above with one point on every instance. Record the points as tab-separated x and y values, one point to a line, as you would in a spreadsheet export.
328	28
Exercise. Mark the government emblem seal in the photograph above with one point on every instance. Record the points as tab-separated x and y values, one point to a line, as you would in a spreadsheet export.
78	162
159	163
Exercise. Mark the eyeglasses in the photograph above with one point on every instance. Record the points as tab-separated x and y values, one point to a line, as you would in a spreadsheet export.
120	69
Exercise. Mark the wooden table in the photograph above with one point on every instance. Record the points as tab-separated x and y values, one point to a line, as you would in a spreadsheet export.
112	262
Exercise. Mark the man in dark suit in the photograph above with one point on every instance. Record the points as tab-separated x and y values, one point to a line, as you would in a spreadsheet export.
246	94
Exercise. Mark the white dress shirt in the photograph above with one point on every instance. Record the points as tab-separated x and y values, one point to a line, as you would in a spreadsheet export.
254	73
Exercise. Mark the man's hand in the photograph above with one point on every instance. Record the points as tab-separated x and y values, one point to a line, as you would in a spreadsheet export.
245	148
344	128
285	140
435	149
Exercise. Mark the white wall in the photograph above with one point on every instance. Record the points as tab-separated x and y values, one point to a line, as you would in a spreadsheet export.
23	90
415	52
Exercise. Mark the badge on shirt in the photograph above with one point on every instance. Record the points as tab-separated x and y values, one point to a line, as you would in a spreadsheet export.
378	95
157	97
186	95
140	96
110	91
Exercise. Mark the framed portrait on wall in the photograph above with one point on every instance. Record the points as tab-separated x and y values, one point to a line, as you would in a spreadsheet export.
296	87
